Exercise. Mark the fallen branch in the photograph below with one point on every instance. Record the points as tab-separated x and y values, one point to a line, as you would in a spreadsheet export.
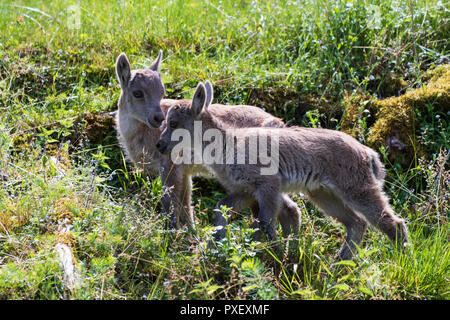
64	250
65	256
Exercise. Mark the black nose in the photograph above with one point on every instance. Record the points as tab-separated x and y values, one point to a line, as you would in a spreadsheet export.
159	117
160	145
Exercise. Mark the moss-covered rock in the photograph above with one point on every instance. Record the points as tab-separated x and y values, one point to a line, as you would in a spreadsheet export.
96	128
395	123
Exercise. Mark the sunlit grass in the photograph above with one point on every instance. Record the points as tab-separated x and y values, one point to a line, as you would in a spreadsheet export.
55	67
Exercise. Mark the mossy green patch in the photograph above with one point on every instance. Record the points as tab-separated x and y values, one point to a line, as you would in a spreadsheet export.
13	214
395	126
67	238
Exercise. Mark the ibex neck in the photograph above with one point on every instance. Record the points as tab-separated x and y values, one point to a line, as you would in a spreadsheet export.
137	140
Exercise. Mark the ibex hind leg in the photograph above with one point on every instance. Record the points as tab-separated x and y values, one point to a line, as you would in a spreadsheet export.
289	216
333	206
374	205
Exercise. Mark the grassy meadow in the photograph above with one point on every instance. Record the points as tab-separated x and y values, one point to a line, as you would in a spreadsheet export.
376	69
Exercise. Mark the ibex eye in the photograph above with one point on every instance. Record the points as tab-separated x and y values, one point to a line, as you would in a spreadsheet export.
138	94
173	124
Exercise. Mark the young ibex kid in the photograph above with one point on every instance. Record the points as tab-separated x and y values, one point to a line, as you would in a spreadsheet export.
341	176
142	109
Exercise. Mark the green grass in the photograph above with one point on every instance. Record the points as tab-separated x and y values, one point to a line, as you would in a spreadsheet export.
293	58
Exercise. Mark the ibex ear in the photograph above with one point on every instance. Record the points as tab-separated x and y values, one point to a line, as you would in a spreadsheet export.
198	100
156	64
123	70
209	94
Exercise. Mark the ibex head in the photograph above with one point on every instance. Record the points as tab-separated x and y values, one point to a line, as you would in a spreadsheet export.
183	115
142	91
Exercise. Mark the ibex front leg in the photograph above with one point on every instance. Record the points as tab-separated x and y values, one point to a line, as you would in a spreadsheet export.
236	201
270	201
177	195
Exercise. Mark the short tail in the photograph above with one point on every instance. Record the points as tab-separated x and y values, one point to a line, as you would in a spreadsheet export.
377	167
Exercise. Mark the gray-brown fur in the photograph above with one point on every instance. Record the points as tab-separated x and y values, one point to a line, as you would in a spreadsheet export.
337	173
138	123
